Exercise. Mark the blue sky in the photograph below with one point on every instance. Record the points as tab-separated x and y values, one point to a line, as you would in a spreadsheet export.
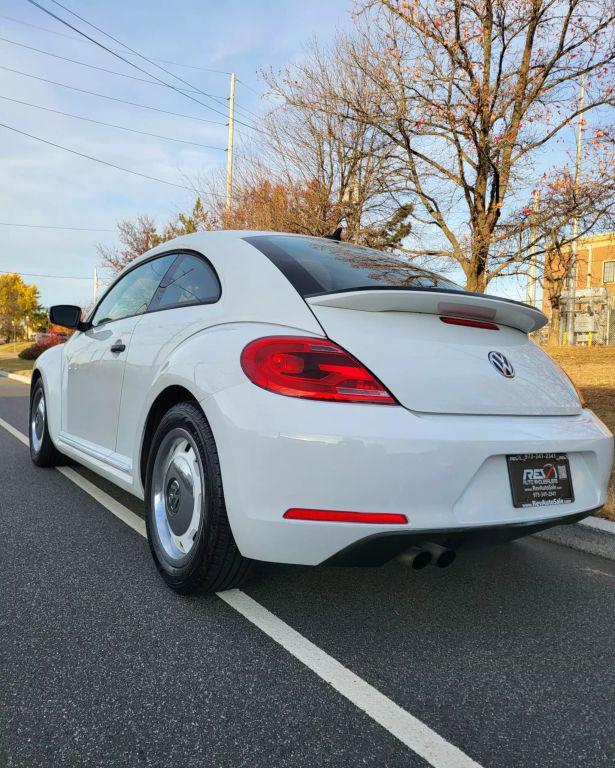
43	185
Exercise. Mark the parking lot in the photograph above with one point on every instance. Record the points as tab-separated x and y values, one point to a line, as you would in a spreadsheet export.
504	659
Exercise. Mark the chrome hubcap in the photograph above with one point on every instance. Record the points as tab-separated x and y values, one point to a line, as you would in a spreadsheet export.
178	493
37	420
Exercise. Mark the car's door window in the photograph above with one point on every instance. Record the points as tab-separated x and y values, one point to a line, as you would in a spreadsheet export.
192	280
133	293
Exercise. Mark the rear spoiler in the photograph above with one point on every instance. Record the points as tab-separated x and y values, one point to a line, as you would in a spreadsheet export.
475	306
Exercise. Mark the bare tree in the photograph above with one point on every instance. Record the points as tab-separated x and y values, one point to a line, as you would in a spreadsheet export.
464	97
345	160
138	236
135	237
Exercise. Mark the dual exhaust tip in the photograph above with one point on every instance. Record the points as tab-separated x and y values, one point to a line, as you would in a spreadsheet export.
427	554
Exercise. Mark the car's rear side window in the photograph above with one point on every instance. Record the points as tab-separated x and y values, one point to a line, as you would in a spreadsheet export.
192	280
316	265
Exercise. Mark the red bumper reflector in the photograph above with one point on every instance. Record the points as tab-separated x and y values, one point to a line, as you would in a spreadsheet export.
469	323
337	516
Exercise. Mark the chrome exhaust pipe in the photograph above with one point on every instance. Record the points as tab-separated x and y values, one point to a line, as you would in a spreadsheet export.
442	557
415	558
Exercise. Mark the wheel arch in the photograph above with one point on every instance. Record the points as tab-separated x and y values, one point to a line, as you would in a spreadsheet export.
48	369
170	396
36	375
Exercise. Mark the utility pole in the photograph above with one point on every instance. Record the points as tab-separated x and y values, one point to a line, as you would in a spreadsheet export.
229	149
530	291
572	267
95	285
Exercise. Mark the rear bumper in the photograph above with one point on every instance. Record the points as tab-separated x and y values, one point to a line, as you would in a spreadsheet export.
379	548
447	474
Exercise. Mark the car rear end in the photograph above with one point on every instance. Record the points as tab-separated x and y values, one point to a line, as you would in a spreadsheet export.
425	415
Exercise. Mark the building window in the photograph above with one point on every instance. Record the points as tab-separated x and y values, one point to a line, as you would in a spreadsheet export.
608	272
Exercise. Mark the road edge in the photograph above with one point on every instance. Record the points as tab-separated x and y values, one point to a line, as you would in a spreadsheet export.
15	377
592	535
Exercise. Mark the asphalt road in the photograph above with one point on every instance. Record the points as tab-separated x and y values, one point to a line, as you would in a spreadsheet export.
508	655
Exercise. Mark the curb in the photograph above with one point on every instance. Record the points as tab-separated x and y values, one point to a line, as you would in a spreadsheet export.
593	535
15	377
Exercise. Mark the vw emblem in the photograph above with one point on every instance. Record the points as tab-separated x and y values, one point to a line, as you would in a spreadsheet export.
501	364
173	496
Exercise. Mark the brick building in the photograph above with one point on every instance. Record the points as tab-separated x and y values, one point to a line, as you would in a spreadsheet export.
595	288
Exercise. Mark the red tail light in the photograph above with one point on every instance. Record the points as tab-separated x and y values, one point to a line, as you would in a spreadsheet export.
469	323
299	366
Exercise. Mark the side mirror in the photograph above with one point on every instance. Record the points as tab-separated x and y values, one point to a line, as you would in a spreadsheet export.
66	315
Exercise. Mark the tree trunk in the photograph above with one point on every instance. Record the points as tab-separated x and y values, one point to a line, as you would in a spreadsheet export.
554	325
476	270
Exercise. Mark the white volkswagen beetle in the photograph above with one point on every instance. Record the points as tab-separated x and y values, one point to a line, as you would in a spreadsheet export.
300	400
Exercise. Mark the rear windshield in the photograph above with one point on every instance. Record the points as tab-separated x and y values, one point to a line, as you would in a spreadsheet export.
315	265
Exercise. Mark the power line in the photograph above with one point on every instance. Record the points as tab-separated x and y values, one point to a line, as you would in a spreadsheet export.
111	98
78	39
110	50
220	99
52	226
249	87
126	61
110	71
132	50
111	125
90	66
33	274
102	162
145	58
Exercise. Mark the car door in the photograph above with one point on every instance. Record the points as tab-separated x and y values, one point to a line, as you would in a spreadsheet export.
94	360
186	302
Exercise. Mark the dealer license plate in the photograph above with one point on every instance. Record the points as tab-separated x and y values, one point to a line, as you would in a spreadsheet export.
539	479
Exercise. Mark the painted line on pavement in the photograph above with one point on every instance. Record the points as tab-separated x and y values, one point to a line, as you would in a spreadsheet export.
408	729
119	510
411	731
15	432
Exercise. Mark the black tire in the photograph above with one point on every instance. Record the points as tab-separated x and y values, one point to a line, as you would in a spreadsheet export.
213	562
42	450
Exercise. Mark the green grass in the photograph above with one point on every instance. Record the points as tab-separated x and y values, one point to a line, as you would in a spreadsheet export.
13	364
16	365
10	351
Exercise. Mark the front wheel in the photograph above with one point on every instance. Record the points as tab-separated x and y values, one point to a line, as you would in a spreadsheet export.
187	526
42	450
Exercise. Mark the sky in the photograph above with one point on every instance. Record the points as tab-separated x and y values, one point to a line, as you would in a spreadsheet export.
43	185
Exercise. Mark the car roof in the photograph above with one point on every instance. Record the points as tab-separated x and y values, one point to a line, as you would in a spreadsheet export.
207	243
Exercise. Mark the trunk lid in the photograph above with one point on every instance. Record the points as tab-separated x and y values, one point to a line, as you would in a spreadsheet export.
435	367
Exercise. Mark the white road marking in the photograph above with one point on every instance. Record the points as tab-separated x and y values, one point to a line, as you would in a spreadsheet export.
598	573
411	731
404	726
119	510
16	433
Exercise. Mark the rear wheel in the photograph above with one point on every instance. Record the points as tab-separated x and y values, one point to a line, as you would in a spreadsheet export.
187	526
42	450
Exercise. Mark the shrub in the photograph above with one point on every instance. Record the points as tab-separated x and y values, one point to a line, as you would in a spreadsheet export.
49	340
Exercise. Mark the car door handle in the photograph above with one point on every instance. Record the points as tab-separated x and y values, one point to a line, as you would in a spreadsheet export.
118	347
